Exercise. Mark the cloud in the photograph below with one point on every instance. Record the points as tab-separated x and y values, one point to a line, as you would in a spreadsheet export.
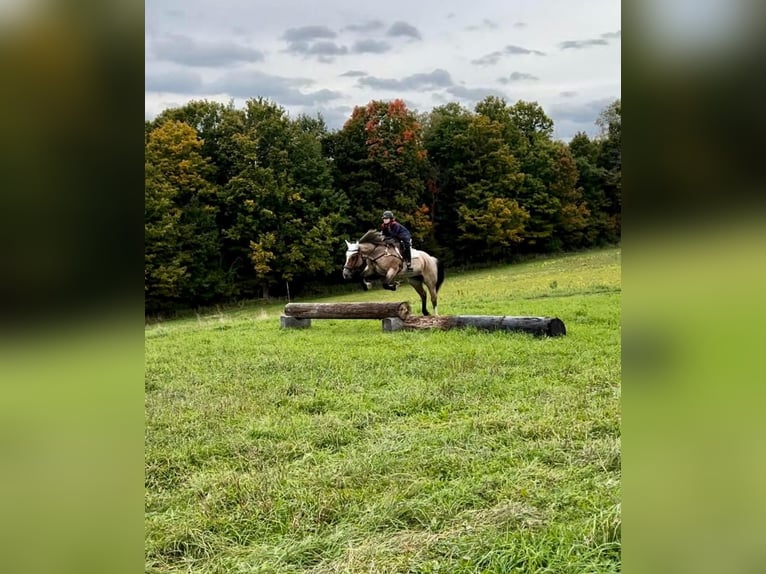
517	77
308	33
603	40
403	29
370	46
488	59
303	41
176	82
474	94
189	52
298	48
360	42
510	49
369	26
324	51
494	57
251	84
486	24
581	44
437	79
254	84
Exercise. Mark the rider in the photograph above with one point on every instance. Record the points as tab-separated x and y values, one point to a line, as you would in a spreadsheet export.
392	228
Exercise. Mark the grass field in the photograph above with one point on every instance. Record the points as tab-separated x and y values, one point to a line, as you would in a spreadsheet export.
341	448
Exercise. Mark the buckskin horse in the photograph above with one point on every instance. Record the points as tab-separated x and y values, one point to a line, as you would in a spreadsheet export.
374	257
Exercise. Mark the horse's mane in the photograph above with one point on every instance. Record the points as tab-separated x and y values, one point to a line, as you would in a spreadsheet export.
373	236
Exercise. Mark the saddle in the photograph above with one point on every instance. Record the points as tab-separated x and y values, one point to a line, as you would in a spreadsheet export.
393	244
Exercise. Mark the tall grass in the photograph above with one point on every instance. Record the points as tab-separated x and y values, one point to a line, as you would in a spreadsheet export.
341	448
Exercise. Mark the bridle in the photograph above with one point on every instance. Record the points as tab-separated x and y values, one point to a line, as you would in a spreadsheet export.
361	261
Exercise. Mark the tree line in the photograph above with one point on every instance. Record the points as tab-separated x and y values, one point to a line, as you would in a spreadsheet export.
246	203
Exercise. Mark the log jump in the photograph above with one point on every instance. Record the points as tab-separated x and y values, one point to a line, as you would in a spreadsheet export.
396	317
538	326
299	315
348	310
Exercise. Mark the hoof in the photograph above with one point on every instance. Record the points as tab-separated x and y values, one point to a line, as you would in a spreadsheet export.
389	287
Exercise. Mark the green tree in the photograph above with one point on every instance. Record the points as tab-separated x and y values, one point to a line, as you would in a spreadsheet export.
610	159
182	262
497	110
281	214
493	228
477	179
571	221
216	125
591	180
444	139
164	268
531	121
547	190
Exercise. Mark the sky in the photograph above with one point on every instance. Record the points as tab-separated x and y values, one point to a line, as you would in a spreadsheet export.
330	56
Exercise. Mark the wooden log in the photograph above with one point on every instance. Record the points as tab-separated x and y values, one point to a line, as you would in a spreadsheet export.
539	326
348	310
442	322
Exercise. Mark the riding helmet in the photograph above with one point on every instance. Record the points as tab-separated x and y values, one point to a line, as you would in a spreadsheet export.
388	215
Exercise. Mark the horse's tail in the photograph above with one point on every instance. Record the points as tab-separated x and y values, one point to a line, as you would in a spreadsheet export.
439	274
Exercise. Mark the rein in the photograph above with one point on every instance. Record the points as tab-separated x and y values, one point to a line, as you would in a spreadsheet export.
364	260
394	254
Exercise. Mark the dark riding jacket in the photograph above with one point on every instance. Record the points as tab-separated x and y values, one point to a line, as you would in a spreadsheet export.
397	231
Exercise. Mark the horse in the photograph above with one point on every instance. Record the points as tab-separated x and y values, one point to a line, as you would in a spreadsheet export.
374	256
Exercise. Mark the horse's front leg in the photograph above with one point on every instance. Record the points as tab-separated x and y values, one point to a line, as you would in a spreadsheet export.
388	280
361	277
369	274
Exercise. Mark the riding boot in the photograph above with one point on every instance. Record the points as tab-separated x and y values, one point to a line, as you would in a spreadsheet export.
407	254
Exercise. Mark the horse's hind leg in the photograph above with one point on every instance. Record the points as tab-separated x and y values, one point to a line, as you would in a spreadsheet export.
434	300
418	286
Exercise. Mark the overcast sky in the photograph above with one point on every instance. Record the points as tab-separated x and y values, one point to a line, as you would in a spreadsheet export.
331	55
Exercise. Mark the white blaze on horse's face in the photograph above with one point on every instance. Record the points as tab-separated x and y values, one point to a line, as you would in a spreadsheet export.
352	252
